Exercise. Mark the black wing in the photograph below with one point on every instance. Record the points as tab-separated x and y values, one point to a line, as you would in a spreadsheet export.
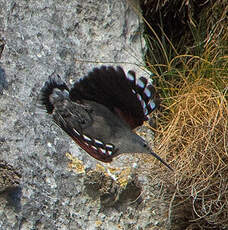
129	98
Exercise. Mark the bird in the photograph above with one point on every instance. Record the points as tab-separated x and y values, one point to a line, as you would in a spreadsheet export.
101	110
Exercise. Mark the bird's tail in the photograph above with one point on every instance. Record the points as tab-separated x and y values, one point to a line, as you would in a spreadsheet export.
53	91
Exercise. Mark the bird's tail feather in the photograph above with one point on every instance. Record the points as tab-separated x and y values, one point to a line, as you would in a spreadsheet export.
54	82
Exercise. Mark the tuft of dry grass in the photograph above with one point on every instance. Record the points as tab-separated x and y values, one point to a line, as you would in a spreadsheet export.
190	64
194	134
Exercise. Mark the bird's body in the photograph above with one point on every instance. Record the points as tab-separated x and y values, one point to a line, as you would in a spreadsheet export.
101	110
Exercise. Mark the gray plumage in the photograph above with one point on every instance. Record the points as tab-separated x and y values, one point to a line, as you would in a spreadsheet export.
98	129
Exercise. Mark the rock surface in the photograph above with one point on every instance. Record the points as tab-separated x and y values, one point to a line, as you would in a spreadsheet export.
67	37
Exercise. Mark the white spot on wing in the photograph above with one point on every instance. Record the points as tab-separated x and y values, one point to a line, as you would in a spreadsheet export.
139	96
109	146
76	132
103	151
130	76
147	92
140	83
98	142
94	147
86	138
143	104
152	104
145	111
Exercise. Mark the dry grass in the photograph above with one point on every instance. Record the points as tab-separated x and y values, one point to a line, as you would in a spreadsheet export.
193	121
196	139
194	133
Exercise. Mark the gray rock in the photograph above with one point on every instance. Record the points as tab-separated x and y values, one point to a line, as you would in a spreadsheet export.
69	38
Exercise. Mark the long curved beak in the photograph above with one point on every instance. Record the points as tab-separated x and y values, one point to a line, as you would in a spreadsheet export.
162	161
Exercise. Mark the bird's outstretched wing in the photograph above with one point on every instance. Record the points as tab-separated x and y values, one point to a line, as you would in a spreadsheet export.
131	99
97	112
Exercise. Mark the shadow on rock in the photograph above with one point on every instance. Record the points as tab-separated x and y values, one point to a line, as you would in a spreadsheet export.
9	185
98	185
